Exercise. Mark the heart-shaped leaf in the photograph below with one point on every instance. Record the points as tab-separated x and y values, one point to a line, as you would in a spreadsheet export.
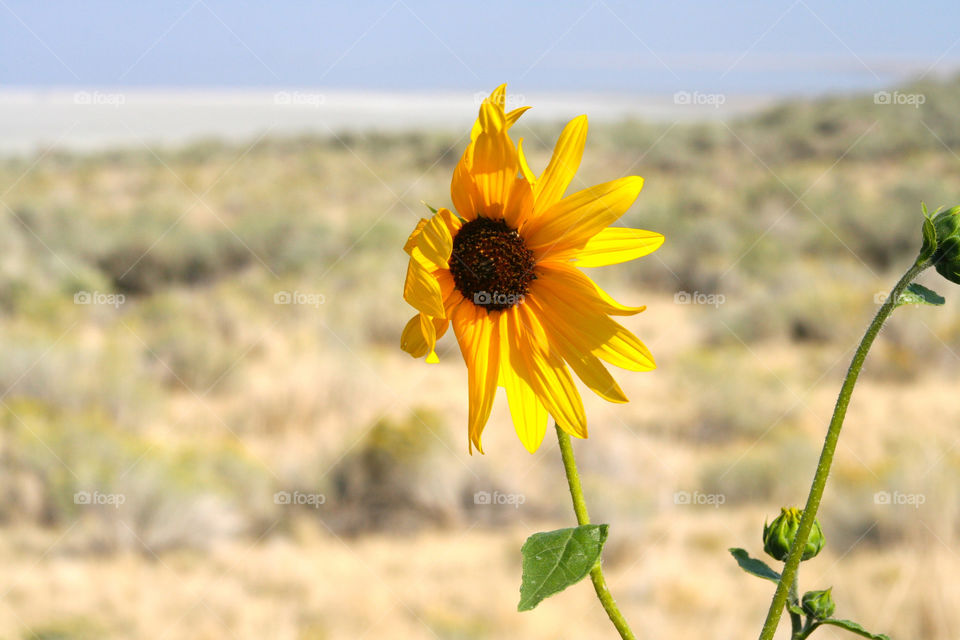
554	560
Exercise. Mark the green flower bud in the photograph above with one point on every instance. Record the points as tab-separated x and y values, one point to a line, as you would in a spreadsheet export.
818	604
946	258
779	535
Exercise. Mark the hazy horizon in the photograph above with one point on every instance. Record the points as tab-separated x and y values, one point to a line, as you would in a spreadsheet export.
36	119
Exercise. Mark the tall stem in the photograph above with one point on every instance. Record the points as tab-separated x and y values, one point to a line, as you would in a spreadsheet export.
789	574
580	509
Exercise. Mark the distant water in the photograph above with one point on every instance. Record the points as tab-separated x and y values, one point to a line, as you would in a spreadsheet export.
34	120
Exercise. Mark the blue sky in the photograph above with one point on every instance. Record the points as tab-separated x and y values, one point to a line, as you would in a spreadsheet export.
602	45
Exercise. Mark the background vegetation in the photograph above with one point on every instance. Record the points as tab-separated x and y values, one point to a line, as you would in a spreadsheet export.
186	389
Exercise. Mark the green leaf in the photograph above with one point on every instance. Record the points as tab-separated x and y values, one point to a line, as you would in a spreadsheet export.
929	246
853	627
919	294
429	207
554	560
753	566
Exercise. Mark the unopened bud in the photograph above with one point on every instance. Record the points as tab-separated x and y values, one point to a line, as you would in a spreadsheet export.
946	257
779	535
818	604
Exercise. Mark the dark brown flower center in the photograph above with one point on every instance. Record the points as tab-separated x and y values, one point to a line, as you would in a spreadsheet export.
491	265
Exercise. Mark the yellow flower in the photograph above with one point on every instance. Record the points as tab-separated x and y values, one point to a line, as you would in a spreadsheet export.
505	275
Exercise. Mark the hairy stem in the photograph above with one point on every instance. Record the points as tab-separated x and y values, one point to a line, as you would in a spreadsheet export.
826	455
796	622
580	509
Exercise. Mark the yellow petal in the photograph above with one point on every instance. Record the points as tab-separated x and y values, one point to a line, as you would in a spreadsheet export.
435	240
588	328
413	340
420	336
586	365
479	338
580	290
452	222
519	205
498	96
463	190
448	290
548	376
528	413
524	167
421	289
484	177
492	118
513	116
494	170
563	165
614	245
572	221
509	120
414	235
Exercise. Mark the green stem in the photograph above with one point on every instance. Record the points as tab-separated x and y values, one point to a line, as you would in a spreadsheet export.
580	508
796	622
789	573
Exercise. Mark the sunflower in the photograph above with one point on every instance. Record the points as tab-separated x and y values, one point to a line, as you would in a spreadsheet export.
505	273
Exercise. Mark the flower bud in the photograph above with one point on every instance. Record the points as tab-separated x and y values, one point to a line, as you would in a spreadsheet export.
818	604
946	258
779	535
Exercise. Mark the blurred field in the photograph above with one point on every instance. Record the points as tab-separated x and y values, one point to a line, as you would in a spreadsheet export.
157	392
